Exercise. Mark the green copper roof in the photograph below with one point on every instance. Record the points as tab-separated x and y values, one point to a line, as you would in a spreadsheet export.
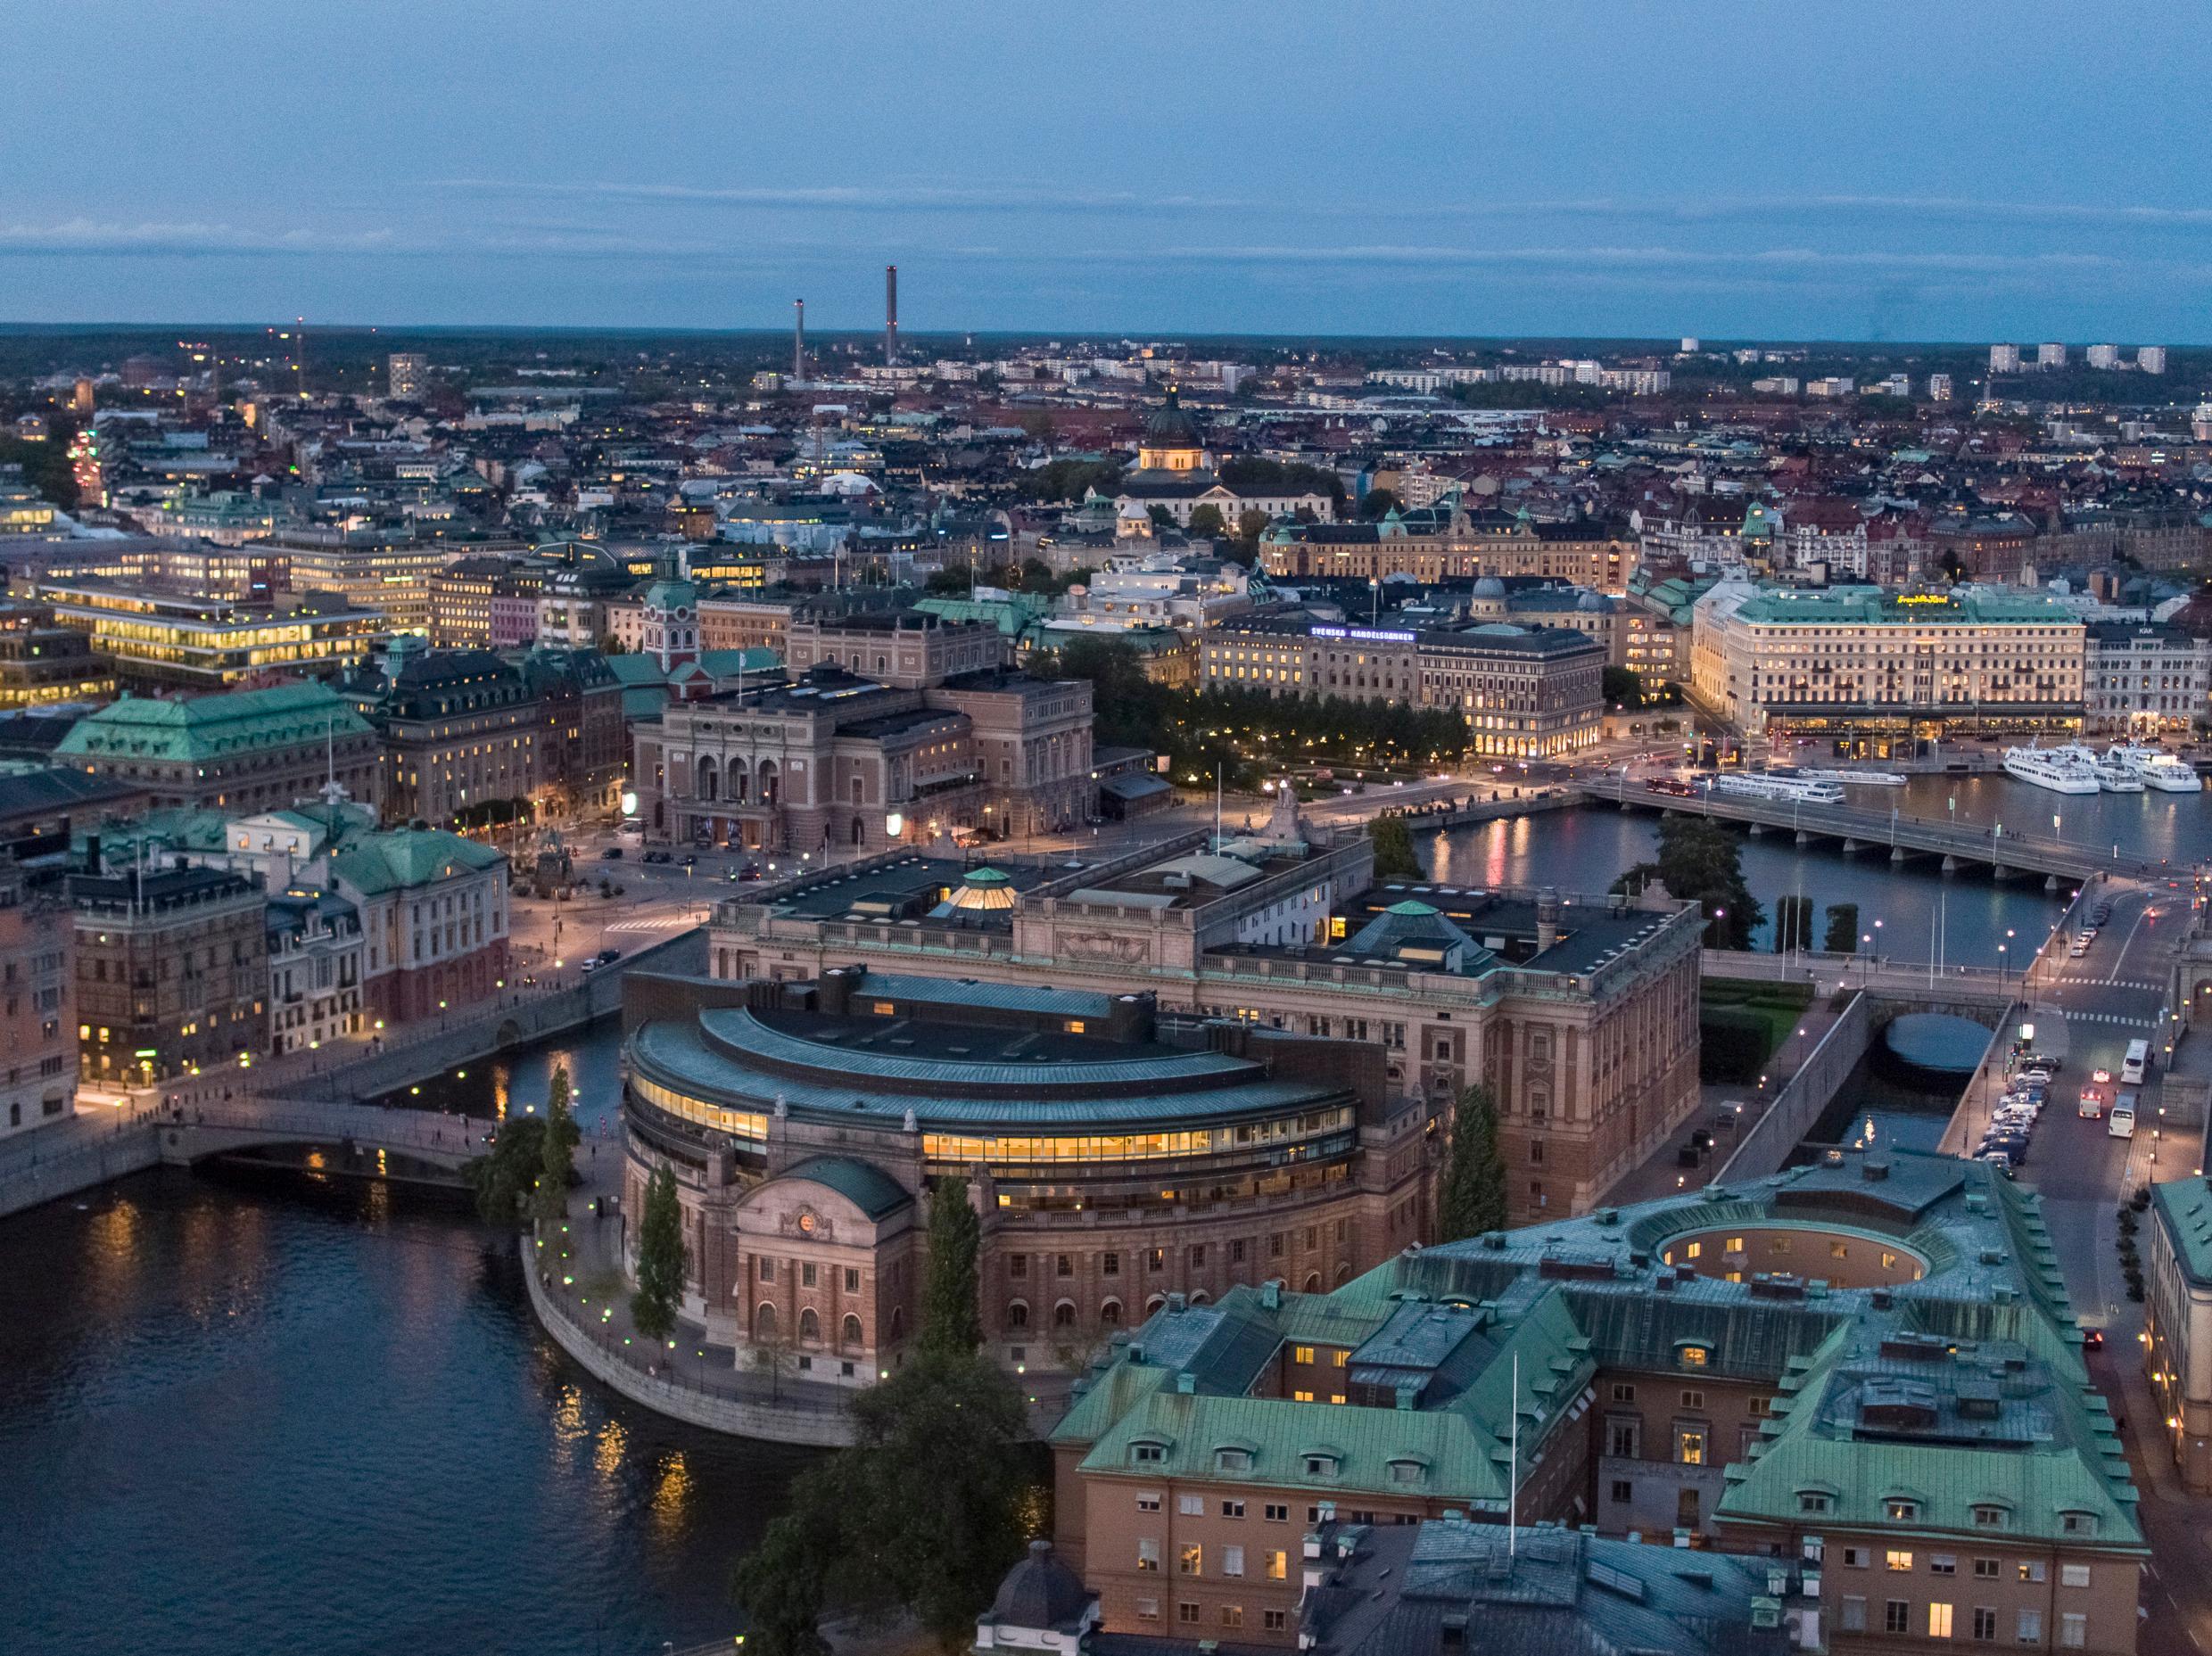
1854	606
405	858
212	727
870	1189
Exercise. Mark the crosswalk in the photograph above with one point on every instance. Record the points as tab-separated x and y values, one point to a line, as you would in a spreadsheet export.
2121	1018
655	923
2110	982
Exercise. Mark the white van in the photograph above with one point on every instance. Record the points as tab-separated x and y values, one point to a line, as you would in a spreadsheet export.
2121	1123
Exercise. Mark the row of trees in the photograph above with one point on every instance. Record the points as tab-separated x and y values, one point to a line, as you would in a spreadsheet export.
1793	927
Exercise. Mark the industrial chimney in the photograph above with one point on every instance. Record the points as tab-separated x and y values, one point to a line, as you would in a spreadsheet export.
890	316
799	338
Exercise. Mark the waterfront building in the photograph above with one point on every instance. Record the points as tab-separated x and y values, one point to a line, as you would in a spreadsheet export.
1580	1014
434	919
172	971
2143	679
44	665
1448	542
1909	1437
1114	1154
170	641
1525	693
315	958
1857	662
251	750
37	1005
458	731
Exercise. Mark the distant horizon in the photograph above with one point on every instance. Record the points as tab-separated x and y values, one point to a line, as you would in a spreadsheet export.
839	333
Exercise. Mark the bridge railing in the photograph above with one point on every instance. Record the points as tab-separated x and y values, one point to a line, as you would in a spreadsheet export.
1879	828
397	1129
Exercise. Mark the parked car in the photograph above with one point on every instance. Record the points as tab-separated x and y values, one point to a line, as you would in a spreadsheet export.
613	854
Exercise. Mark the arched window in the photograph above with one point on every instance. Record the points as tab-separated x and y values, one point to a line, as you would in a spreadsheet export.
1017	1315
852	1335
1153	1305
1200	1297
764	1324
1064	1315
809	1325
1110	1314
898	1322
1313	1281
770	788
860	832
740	781
706	774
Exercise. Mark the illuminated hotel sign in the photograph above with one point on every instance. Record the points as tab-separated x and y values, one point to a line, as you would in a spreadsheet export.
1365	634
1921	598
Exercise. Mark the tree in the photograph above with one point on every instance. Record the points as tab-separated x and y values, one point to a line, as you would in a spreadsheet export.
1393	849
1206	520
950	1321
1250	524
1621	686
1701	860
1842	928
505	1177
1793	925
923	1515
1162	518
781	1584
1377	504
661	1256
1472	1198
557	1167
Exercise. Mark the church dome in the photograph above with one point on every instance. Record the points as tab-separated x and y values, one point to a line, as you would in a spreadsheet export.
1489	587
1170	428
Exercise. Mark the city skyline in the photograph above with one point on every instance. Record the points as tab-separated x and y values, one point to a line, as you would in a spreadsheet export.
1532	177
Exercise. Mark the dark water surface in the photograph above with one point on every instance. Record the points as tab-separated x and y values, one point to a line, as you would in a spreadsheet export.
240	1416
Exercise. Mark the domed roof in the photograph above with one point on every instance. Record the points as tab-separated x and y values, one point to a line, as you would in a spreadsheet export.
1040	1592
980	891
669	595
1489	587
1170	428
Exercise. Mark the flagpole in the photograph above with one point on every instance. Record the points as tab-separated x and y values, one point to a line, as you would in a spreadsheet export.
1513	1466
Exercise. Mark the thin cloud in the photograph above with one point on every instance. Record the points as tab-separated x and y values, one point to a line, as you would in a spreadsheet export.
89	235
887	198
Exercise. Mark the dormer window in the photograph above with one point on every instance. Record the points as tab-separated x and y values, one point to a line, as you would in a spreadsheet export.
2077	1523
1321	1462
1408	1470
1989	1515
1899	1509
1693	1357
1233	1460
1148	1452
1814	1501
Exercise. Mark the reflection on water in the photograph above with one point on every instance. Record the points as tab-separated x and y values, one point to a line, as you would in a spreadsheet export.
248	1414
1964	917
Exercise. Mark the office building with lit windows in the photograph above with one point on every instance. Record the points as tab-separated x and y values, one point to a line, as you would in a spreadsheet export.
1525	692
171	640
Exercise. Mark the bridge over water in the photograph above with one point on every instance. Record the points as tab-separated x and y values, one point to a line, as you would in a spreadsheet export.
1903	837
427	1146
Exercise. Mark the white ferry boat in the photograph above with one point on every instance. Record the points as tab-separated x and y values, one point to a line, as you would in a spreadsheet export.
1765	784
2058	769
1852	779
2156	768
2116	778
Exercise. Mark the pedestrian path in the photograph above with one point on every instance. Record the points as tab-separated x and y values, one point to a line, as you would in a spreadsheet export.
2121	1018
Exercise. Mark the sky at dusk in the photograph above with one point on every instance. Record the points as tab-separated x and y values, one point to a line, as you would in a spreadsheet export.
1869	170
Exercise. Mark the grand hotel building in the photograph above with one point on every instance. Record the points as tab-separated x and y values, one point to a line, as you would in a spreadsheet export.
1860	662
1170	1074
